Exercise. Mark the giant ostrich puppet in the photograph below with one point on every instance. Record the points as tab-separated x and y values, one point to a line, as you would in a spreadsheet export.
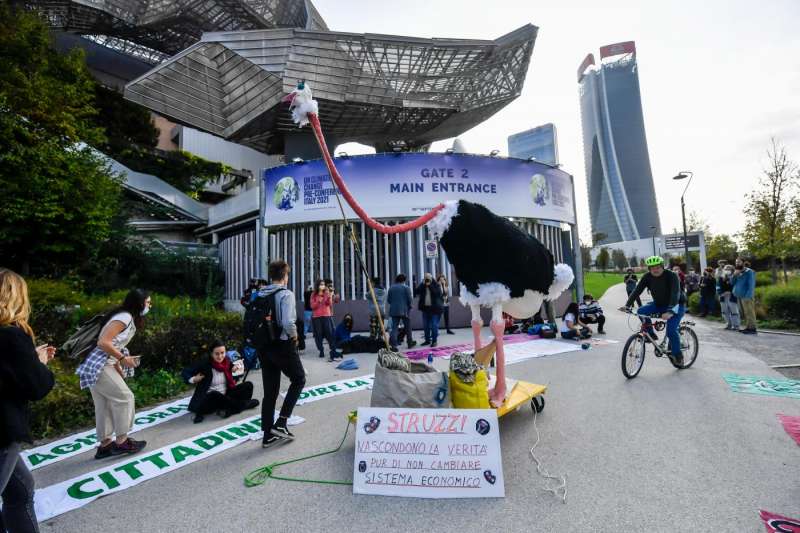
499	266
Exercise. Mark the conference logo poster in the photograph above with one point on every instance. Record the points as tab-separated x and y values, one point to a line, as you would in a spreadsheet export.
409	184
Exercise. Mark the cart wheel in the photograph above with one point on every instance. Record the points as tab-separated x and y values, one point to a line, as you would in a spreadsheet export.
537	403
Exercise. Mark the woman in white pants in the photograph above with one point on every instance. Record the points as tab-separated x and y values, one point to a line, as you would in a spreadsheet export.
727	301
103	373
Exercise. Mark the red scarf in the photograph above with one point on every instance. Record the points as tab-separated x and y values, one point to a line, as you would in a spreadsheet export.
225	368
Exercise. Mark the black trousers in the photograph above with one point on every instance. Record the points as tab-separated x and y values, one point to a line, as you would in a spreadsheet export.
232	402
323	330
447	318
285	359
16	484
600	320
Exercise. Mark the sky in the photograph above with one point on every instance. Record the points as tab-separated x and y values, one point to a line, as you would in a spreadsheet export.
718	78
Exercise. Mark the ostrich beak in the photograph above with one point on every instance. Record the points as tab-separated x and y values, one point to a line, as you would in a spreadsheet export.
485	354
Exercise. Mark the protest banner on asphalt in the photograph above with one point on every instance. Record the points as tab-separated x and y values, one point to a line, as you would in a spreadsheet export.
67	447
334	388
516	353
61	449
776	523
76	492
428	453
788	388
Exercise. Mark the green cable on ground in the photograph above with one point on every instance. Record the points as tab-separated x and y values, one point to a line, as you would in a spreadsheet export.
260	475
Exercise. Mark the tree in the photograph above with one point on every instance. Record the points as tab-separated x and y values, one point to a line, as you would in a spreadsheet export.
721	246
769	209
586	256
598	237
603	259
58	195
619	259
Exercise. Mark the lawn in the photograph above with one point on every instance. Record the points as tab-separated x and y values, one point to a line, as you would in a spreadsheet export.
596	283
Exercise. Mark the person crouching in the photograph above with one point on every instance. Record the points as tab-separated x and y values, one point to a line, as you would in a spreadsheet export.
216	388
591	312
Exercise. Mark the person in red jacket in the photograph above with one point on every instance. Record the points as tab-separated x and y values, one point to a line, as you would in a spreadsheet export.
322	318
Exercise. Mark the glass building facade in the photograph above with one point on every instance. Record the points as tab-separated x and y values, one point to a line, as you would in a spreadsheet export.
539	142
622	199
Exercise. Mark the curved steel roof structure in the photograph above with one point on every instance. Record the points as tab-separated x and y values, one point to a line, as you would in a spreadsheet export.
154	30
374	89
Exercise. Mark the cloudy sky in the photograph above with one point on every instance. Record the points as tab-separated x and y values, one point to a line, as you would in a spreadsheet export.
718	78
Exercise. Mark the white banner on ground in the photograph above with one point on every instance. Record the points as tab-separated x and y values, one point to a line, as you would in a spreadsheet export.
428	453
61	449
76	492
334	388
522	351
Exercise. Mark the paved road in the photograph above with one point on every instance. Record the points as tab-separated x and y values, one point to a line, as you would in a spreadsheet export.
668	451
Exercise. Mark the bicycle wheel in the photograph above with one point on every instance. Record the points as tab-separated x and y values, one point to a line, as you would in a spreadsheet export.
689	347
633	356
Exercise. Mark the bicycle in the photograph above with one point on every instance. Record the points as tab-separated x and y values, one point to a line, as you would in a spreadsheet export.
636	346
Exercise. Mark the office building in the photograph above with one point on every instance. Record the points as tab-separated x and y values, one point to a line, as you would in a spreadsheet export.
539	143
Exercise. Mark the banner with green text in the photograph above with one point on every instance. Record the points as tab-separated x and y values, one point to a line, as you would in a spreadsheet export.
75	493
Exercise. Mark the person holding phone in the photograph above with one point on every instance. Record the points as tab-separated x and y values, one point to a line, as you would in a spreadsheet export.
103	372
322	318
25	378
216	388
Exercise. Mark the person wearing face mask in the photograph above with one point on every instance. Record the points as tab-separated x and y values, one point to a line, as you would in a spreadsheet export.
591	313
103	372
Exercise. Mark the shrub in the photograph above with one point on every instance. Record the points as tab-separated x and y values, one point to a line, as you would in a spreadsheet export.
183	339
694	303
783	302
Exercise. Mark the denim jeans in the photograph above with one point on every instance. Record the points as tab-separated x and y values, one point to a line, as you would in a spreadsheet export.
16	483
672	324
430	321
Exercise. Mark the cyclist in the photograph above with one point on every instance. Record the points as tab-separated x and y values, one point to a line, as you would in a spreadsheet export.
665	287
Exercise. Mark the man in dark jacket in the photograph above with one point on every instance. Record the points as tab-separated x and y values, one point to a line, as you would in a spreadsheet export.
665	286
708	292
431	304
399	299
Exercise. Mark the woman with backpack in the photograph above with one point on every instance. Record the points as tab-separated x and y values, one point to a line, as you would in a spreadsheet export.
103	372
25	378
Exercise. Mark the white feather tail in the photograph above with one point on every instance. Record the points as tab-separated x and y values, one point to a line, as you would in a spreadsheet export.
562	279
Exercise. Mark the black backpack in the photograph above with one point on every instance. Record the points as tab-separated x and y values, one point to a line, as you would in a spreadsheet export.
84	339
261	327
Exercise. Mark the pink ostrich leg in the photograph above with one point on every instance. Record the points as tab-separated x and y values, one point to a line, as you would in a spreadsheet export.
498	394
477	324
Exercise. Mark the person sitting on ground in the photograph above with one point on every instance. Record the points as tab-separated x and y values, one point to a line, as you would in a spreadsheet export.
342	333
571	326
592	313
216	389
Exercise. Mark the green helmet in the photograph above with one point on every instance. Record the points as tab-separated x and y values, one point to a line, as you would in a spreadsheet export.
654	260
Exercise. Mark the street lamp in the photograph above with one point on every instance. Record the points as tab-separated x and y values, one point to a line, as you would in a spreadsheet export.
653	233
683	175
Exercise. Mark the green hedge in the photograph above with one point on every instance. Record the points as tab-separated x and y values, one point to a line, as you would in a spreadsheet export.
177	332
783	302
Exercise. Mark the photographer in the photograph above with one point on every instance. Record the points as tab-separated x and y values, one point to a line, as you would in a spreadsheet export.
25	378
322	318
431	305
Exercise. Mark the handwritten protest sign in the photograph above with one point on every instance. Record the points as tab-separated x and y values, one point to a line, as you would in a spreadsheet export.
428	453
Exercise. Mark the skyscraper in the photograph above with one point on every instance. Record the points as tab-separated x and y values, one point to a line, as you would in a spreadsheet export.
539	142
622	199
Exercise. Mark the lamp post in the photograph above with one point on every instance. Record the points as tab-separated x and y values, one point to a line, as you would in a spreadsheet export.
653	234
683	175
